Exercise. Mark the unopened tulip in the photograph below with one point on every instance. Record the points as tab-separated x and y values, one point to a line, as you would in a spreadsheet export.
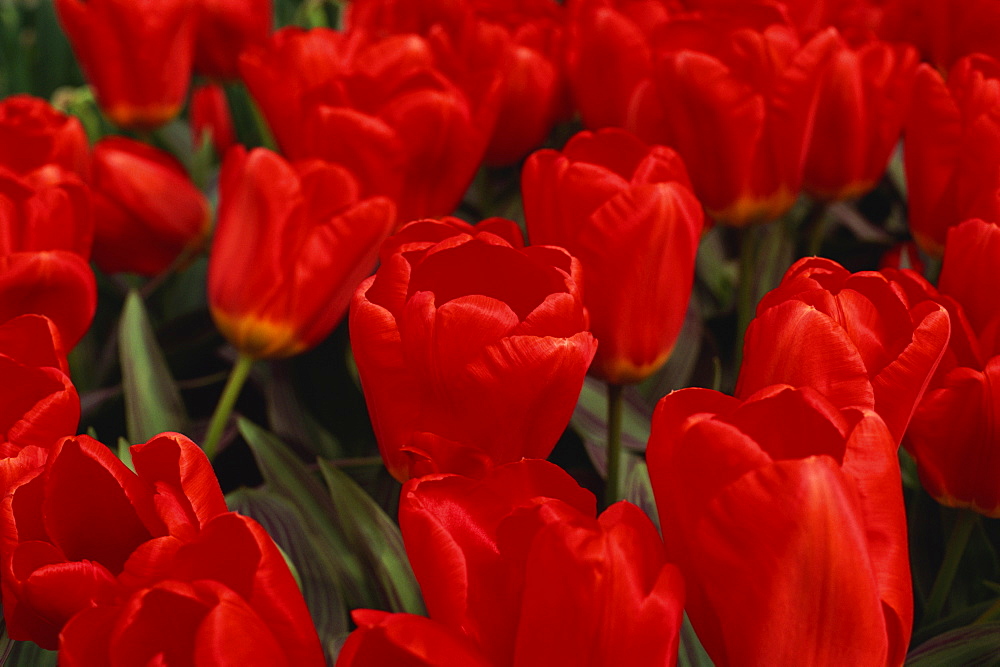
952	436
146	209
136	55
293	242
952	149
626	211
736	99
785	516
225	29
33	134
864	98
381	108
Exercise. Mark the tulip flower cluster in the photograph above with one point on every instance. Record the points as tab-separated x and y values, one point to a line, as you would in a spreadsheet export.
500	333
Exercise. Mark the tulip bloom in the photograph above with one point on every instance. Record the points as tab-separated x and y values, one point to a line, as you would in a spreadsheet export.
210	113
380	108
609	54
292	243
225	29
146	209
95	558
516	570
863	100
785	516
852	337
56	283
33	134
39	404
471	349
736	102
943	30
626	211
518	43
952	149
47	209
952	436
136	56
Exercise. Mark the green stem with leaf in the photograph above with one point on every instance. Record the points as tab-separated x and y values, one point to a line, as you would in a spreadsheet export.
216	427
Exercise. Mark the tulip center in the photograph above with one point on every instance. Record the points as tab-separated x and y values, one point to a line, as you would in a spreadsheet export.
496	271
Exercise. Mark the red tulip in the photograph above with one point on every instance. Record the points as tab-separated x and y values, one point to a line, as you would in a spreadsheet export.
516	42
227	599
626	211
736	100
33	134
609	54
225	29
137	56
96	557
146	209
471	349
292	244
47	209
210	114
851	337
952	149
406	640
516	570
943	30
855	19
785	516
39	404
952	436
864	98
380	108
55	283
75	524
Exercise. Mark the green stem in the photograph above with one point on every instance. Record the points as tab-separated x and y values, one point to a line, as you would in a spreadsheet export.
237	378
747	303
611	489
960	534
814	226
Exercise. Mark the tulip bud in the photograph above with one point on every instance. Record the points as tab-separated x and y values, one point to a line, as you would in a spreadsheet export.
292	243
146	209
33	134
626	211
136	55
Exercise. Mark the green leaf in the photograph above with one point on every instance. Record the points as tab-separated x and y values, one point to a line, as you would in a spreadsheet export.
26	654
316	563
691	653
287	476
371	533
152	402
125	453
971	645
637	488
291	420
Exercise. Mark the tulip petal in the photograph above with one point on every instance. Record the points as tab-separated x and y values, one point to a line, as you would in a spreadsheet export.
55	283
406	640
796	344
784	541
